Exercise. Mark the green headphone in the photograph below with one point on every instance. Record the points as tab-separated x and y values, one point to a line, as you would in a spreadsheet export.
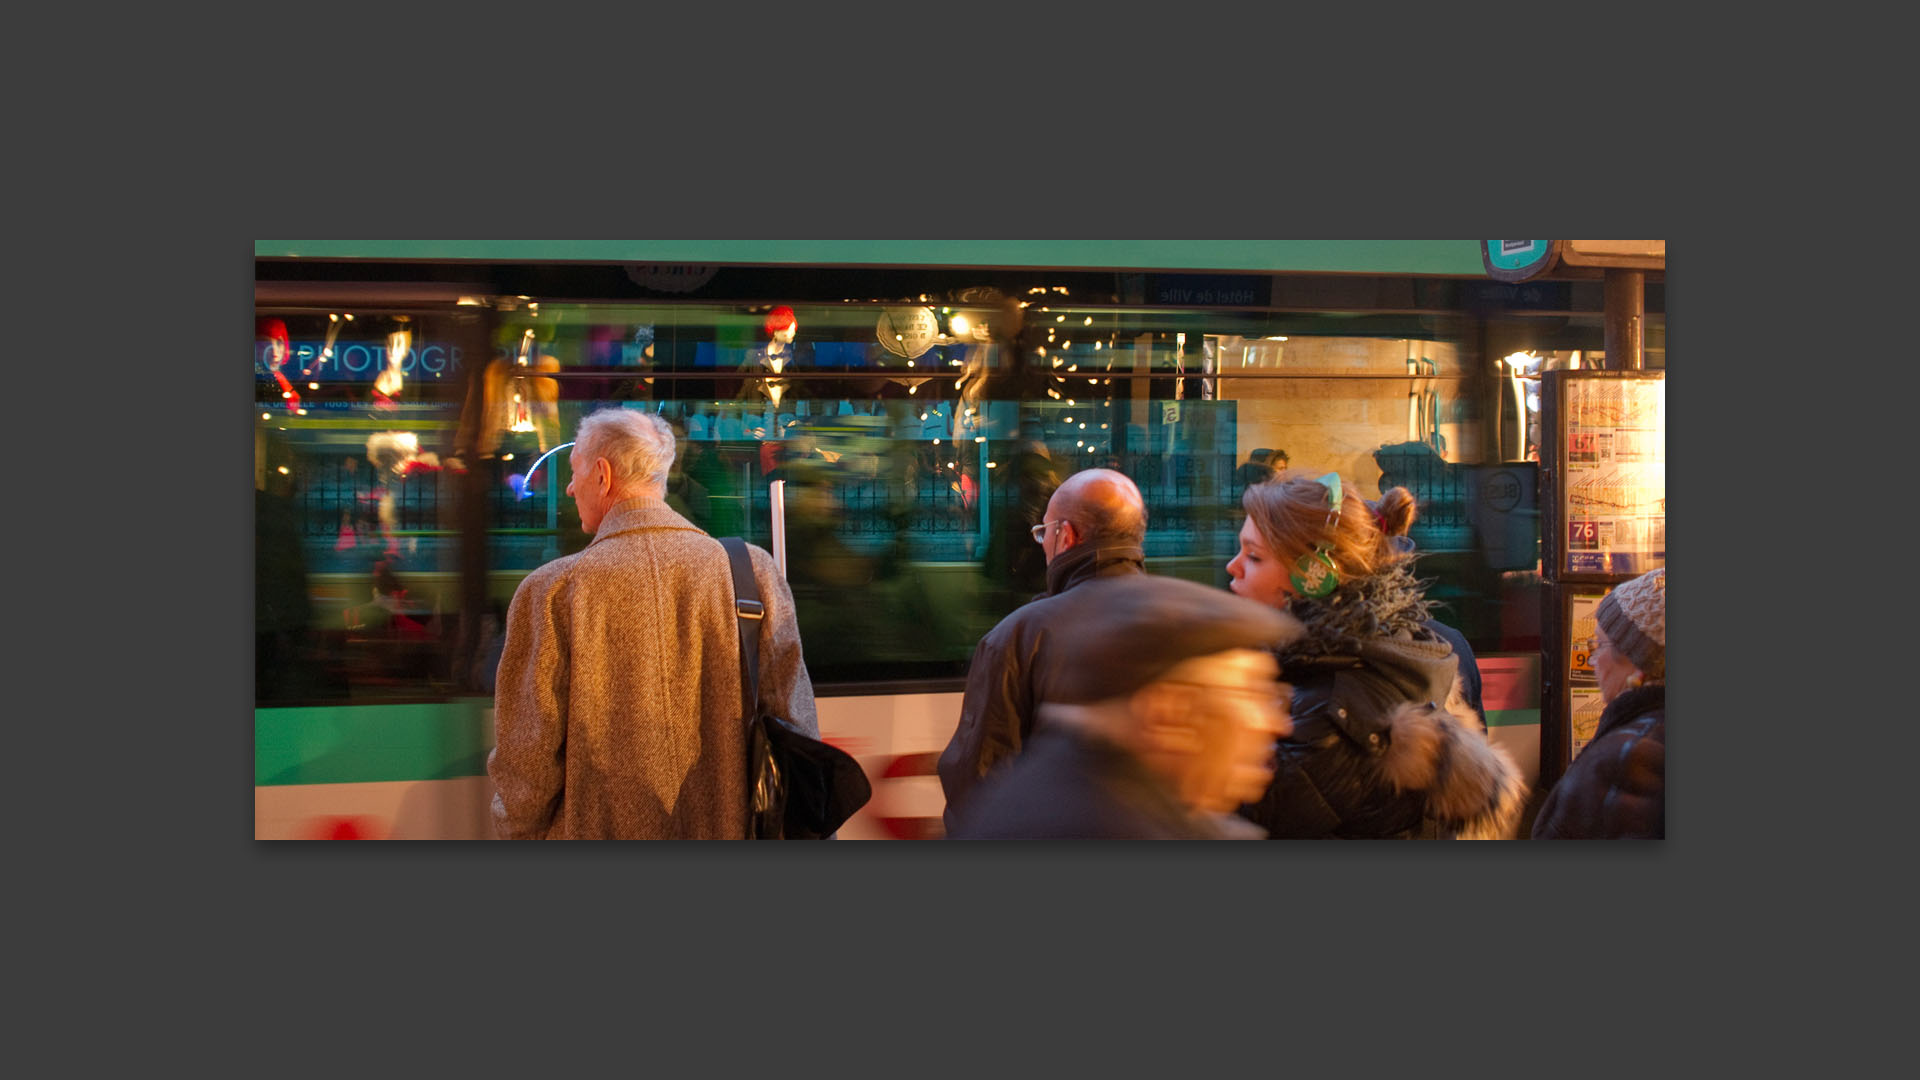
1313	573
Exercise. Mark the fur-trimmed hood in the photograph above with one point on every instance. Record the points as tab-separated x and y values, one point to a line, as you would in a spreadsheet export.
1471	785
1389	604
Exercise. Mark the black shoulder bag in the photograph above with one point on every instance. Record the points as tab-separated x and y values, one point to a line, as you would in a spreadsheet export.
798	788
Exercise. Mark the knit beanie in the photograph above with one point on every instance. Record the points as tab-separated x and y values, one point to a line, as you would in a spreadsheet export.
1634	618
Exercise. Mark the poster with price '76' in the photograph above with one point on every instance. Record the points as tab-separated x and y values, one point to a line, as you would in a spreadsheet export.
1615	490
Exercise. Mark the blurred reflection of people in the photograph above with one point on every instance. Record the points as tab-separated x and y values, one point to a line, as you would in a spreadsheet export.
816	553
493	638
1617	787
1160	726
708	469
396	456
1093	529
1012	560
685	495
1261	465
281	607
388	613
623	350
617	700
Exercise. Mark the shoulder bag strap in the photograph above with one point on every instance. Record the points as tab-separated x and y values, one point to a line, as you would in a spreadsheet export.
749	610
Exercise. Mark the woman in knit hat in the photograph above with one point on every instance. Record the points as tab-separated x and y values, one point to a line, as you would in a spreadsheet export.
1617	787
1384	743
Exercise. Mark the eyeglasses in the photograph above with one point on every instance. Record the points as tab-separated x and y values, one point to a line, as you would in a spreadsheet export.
1040	531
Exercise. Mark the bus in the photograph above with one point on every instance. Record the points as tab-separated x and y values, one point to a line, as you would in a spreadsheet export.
887	416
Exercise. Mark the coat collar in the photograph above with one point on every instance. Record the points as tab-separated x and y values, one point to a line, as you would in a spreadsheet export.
633	515
1084	561
1631	705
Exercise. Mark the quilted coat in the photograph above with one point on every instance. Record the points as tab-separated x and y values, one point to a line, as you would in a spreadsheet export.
1384	741
1617	787
617	700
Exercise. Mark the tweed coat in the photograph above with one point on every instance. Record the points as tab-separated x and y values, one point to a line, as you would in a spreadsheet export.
617	701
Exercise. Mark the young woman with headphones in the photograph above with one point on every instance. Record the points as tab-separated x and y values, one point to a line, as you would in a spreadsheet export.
1383	744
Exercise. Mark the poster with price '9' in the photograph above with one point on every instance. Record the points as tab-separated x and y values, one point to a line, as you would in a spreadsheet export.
1584	704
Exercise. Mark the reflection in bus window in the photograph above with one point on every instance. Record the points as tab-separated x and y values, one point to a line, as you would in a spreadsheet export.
918	443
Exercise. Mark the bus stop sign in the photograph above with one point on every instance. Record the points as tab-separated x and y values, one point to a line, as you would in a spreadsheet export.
1518	260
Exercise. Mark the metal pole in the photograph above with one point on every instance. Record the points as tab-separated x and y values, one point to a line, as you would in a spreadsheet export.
1626	315
777	499
980	545
552	551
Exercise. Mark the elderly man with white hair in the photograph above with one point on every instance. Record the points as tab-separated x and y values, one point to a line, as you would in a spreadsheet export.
617	705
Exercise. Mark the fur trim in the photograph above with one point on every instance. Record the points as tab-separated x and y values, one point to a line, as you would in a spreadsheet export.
1391	603
1471	785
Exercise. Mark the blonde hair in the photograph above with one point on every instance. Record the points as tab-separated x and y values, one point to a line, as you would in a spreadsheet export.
1291	513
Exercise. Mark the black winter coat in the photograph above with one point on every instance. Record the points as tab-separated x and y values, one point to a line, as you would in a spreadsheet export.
1617	787
1384	742
1384	746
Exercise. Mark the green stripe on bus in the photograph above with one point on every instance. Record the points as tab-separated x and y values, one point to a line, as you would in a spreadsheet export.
368	743
1450	257
1512	717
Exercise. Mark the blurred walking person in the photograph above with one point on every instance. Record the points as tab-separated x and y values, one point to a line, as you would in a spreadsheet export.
1384	743
1158	727
1617	787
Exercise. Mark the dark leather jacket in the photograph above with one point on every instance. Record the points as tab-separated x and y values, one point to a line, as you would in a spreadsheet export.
1011	667
1074	785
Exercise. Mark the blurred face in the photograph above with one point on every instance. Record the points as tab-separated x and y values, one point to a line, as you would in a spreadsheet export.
1257	573
591	488
1615	671
1241	710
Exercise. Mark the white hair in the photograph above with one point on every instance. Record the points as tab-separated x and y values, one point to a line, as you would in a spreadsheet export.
639	446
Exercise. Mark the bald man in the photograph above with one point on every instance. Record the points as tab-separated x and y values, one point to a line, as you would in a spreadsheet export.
1093	528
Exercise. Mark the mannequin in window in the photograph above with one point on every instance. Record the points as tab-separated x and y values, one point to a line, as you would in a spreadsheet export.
271	352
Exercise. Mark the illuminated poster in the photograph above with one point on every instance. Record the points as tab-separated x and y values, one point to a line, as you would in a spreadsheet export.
1615	490
1583	683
